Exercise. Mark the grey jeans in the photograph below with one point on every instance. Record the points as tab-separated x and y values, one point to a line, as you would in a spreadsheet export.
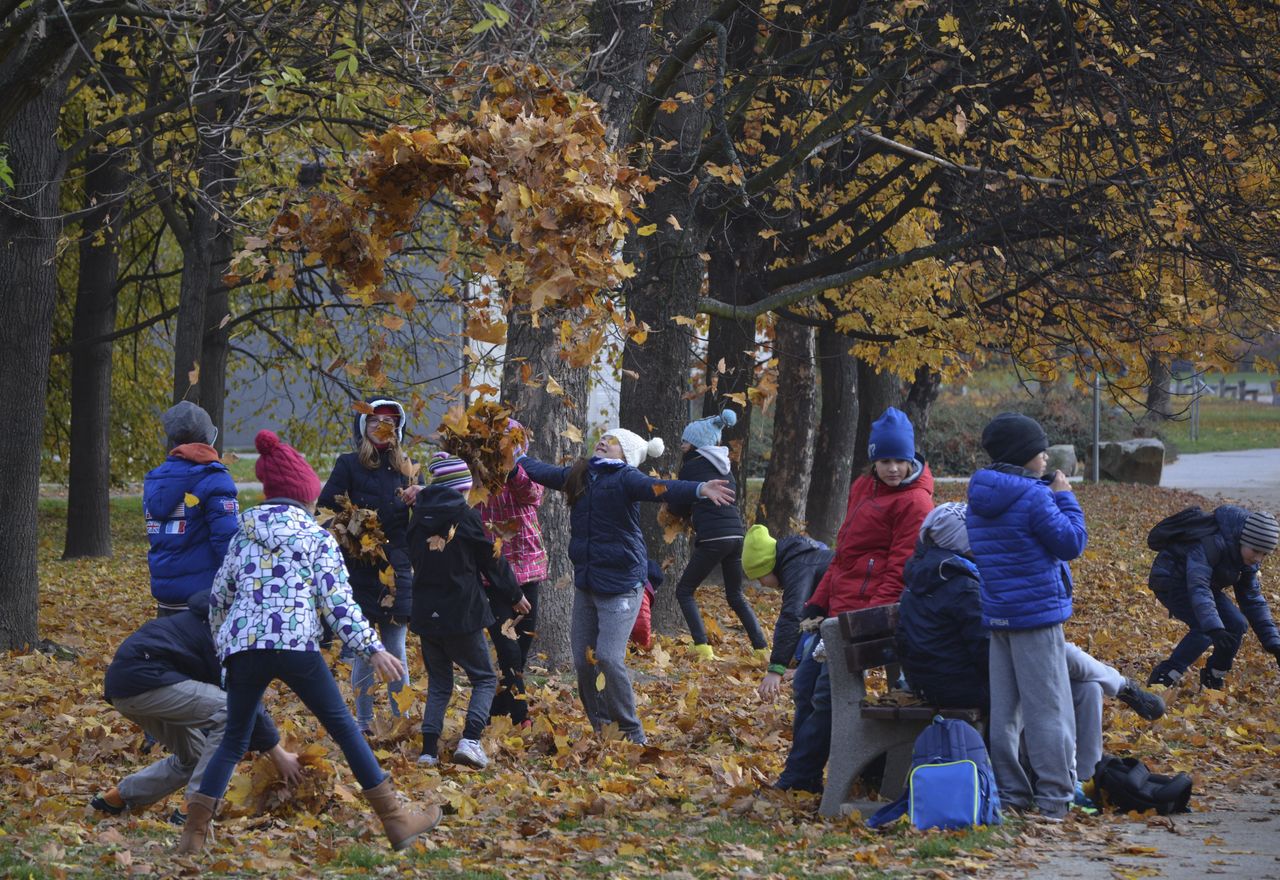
188	718
1090	680
599	632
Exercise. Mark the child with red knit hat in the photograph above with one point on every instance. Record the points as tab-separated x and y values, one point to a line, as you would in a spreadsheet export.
280	573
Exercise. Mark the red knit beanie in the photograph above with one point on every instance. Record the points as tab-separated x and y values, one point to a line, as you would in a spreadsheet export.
283	471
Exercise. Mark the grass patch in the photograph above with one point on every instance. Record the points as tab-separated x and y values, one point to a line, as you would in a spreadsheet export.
361	856
1226	426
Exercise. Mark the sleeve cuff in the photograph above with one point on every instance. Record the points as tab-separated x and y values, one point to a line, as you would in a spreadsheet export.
777	669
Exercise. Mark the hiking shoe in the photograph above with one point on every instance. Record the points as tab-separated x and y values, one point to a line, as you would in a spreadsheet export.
470	753
704	652
1212	678
102	805
1148	705
1164	674
426	759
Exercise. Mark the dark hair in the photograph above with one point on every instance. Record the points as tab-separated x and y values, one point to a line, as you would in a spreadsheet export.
575	483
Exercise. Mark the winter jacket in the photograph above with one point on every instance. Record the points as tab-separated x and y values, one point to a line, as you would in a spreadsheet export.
171	650
282	572
189	504
606	545
941	641
710	520
512	515
448	597
375	489
875	541
1204	568
1022	535
800	563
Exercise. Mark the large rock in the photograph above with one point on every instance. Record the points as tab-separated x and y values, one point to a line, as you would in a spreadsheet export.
1062	458
1132	461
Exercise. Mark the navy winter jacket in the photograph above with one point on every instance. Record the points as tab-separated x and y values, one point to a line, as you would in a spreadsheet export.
448	597
375	489
799	562
1022	535
606	545
709	519
1204	568
170	650
941	641
188	538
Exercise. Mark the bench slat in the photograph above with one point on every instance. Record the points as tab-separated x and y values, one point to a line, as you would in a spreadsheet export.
870	655
918	713
869	623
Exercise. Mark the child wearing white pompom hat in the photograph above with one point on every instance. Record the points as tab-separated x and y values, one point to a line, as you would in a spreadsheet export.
610	561
717	532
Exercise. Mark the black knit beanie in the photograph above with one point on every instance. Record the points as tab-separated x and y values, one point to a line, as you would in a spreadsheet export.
1014	438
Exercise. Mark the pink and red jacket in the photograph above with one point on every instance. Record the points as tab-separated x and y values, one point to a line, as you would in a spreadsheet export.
512	516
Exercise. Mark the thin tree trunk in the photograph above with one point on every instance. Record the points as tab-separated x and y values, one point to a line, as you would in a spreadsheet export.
546	417
786	485
877	391
1159	401
88	496
29	228
919	403
833	447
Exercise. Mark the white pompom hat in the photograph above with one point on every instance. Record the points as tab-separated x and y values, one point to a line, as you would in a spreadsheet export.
635	449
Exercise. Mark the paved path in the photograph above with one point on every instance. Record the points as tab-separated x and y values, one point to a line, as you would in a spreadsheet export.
1249	476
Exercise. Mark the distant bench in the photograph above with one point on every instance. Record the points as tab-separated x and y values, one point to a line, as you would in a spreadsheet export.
857	641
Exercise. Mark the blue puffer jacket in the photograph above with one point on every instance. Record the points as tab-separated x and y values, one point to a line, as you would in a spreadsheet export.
1022	534
1202	569
188	539
941	641
606	545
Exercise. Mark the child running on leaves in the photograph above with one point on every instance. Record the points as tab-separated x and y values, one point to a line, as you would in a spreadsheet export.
450	609
281	572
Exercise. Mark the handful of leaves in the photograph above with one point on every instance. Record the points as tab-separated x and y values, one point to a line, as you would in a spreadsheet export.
356	529
479	436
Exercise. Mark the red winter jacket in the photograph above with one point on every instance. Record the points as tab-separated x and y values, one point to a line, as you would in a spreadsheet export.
878	536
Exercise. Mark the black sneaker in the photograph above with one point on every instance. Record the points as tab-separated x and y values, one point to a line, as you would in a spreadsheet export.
177	817
1148	705
1165	675
1212	679
100	804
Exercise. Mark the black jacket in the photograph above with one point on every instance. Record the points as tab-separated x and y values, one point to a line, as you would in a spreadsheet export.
174	649
941	642
448	597
800	562
709	519
375	489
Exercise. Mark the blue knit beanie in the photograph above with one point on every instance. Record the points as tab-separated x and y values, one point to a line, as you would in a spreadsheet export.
892	437
706	432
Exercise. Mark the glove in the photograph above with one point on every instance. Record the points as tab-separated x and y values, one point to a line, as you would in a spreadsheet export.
812	617
811	624
1224	643
820	651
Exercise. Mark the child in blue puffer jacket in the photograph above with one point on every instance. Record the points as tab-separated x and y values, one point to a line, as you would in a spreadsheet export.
1023	530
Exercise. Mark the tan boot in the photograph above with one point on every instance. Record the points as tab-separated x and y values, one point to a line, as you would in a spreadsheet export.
402	826
200	811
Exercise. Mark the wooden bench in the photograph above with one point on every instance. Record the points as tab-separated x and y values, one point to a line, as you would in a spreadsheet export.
858	641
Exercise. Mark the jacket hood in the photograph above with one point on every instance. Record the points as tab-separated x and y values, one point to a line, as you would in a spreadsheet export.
932	566
198	604
200	453
438	508
273	524
717	455
1231	521
375	402
994	490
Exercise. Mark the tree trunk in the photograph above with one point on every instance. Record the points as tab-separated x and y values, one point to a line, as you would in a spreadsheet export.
1159	401
88	497
833	447
786	485
546	416
877	391
29	229
919	403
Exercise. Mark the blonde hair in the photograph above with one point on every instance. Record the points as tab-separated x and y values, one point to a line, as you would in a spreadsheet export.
370	456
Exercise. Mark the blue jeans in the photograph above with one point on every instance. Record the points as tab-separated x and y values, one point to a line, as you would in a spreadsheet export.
363	679
248	675
471	653
811	736
602	624
1195	642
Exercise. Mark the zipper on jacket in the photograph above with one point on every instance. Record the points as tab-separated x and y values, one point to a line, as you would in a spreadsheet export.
866	581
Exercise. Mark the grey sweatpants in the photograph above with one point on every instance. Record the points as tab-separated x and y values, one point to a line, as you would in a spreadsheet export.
1090	680
188	718
599	629
1031	702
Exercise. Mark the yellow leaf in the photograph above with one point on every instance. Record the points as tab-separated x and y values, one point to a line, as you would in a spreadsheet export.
600	682
647	230
392	322
553	387
193	375
948	24
404	699
387	575
190	500
572	433
675	224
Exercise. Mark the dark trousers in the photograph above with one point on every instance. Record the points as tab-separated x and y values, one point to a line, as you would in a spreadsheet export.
512	656
248	675
706	556
1195	642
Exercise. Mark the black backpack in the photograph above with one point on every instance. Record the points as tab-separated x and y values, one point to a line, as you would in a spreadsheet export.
1184	527
1126	784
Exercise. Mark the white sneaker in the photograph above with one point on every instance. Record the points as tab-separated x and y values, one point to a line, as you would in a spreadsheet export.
471	753
428	760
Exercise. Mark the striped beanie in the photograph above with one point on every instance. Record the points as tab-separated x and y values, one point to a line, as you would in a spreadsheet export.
449	471
1260	532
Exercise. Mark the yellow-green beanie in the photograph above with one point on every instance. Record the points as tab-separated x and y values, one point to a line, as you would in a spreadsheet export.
759	552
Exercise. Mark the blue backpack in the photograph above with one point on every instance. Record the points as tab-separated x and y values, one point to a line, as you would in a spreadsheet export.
951	783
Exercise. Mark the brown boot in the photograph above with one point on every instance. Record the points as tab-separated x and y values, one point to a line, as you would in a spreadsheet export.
200	810
401	825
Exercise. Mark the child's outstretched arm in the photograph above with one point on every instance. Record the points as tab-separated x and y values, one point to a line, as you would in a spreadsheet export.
642	487
540	472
